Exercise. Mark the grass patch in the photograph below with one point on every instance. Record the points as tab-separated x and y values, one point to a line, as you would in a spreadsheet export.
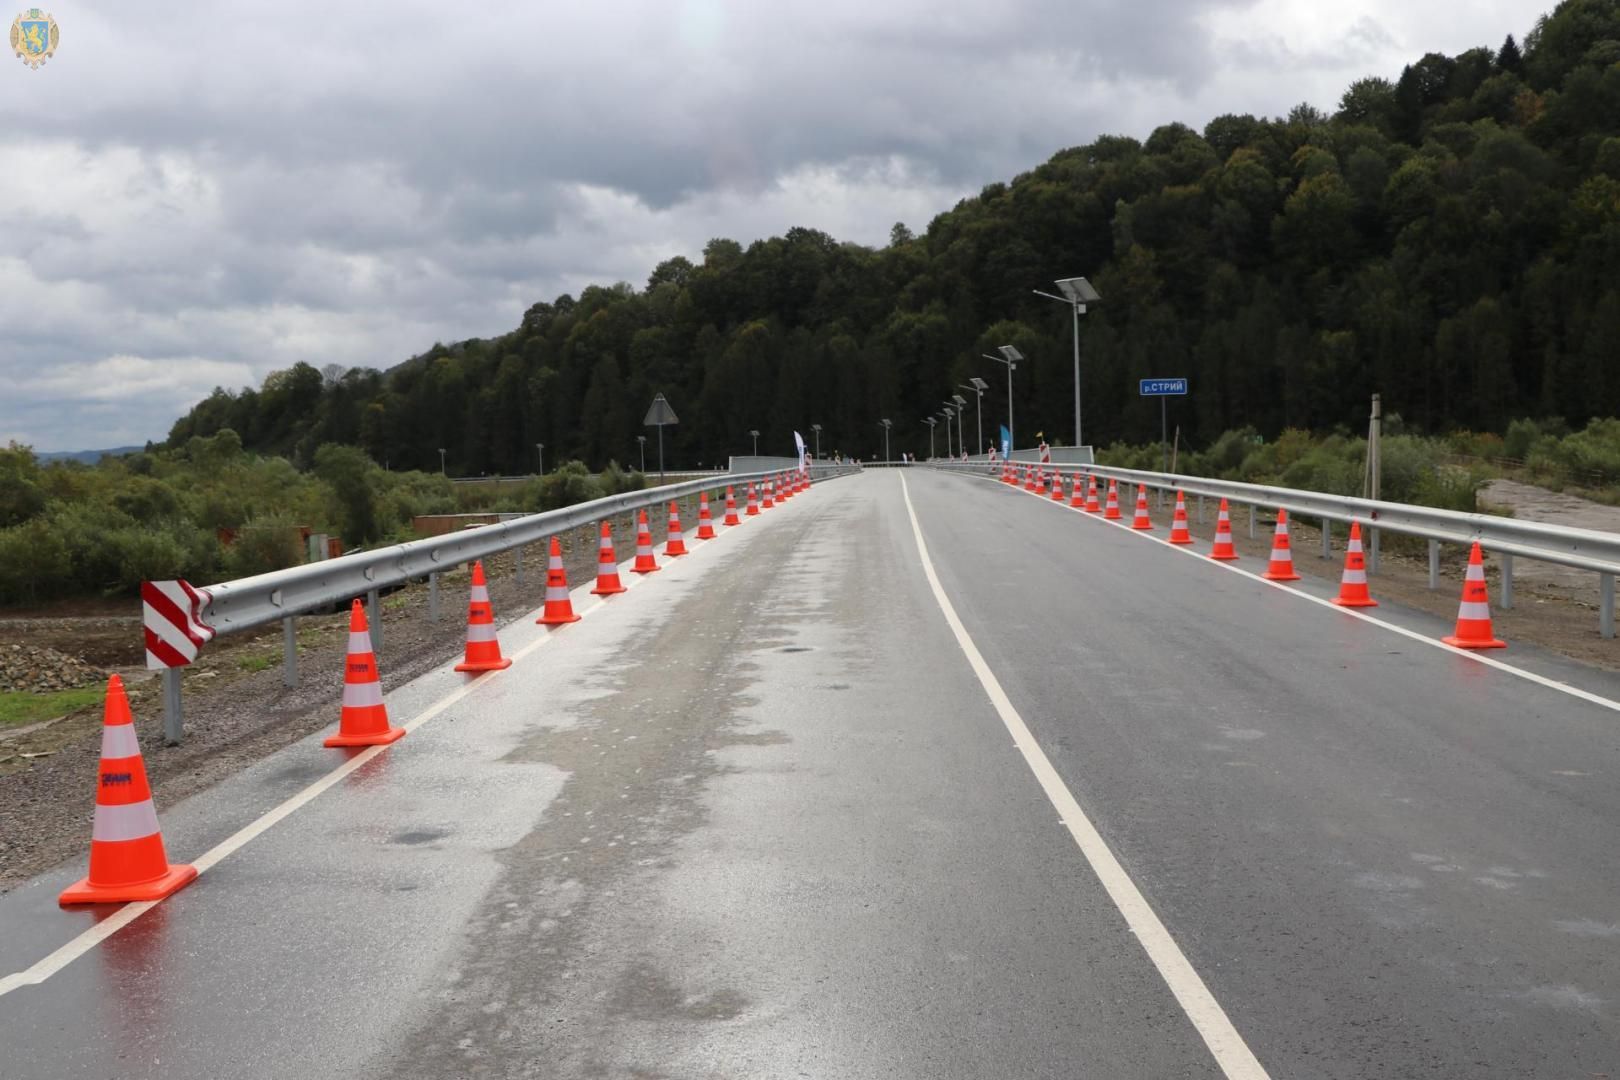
256	663
19	707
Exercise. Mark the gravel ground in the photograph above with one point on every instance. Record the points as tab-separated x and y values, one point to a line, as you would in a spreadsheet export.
236	708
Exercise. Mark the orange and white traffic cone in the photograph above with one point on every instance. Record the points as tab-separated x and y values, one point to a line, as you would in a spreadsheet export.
364	719
1474	613
559	607
784	488
607	565
1040	482
1007	473
753	502
1179	533
483	647
1223	549
1029	478
705	522
645	563
1057	487
1281	567
1077	493
1353	585
1111	511
1141	523
127	860
676	543
769	503
1092	505
731	507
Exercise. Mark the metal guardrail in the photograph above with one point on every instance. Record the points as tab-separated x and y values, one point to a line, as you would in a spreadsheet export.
282	595
1581	549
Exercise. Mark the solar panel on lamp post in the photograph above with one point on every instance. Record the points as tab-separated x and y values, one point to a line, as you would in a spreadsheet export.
979	386
1009	356
1077	293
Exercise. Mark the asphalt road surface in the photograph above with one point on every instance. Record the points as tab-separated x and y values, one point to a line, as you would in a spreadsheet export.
1125	813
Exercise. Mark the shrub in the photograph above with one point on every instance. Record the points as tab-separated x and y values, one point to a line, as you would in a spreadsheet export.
34	563
570	484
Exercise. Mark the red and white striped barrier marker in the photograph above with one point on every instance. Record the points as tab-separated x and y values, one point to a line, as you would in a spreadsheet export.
171	614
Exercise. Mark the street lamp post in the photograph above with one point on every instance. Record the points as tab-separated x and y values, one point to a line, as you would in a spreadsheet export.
979	386
540	449
1077	293
961	414
641	442
1009	356
886	426
931	422
755	434
948	412
817	429
442	471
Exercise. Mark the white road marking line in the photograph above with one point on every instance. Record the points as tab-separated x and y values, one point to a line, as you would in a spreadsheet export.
1231	1053
1354	613
106	928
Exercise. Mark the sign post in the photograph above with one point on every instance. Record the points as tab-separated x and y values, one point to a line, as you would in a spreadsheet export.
1163	389
659	414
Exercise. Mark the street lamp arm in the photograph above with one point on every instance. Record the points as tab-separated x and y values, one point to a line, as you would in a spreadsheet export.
1049	296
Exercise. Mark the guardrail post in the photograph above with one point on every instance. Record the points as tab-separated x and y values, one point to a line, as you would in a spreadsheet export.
433	597
173	723
1251	521
1434	564
1606	605
289	649
374	617
1327	539
1200	509
1372	553
1507	581
517	553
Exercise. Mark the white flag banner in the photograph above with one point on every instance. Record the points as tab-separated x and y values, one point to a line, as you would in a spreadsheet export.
798	440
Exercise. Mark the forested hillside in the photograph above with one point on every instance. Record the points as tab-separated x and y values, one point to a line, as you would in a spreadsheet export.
1450	239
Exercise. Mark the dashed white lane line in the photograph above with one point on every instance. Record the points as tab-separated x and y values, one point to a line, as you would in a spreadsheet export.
106	928
1434	643
1231	1053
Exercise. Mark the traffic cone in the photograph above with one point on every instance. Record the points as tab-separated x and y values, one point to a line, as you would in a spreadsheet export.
559	608
1223	550
1077	499
127	860
705	522
731	508
1111	511
1040	482
645	563
1007	473
1474	613
769	503
483	647
1092	505
1029	478
1057	487
676	544
1179	533
1282	555
607	565
753	502
1353	585
364	719
1141	523
784	488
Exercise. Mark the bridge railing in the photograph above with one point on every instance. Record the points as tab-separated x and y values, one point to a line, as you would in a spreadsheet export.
281	596
1581	549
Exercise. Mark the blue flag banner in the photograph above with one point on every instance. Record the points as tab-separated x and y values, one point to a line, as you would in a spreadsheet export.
1006	441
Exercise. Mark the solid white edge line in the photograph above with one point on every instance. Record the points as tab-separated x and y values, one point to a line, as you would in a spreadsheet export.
1231	1053
1357	613
76	947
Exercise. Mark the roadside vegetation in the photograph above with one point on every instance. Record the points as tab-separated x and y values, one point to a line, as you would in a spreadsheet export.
209	510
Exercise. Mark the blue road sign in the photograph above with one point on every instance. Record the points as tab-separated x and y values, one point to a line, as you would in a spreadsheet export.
1163	387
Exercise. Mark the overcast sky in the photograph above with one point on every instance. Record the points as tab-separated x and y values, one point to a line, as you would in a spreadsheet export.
196	194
